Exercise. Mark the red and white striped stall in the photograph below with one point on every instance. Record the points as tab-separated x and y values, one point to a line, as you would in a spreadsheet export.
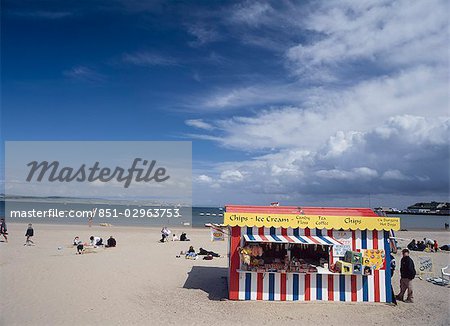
261	224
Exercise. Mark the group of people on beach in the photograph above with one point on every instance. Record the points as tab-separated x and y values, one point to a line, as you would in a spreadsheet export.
94	242
425	245
29	233
192	254
165	235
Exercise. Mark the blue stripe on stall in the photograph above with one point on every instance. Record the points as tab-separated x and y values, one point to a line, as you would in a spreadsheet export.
342	287
387	278
248	285
325	239
273	234
295	287
318	232
250	233
364	239
271	286
365	285
319	286
365	280
296	232
301	239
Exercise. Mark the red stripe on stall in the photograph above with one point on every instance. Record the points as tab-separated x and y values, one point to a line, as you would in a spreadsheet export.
330	288
261	233
353	283
307	232
313	240
259	286
353	240
234	263
376	273
283	287
307	287
285	235
330	234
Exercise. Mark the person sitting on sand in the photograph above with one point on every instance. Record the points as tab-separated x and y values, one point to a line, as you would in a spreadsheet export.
174	237
184	237
3	230
29	234
190	254
79	244
412	245
96	241
111	242
428	242
421	246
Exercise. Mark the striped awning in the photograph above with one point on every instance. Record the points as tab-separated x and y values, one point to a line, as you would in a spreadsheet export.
302	239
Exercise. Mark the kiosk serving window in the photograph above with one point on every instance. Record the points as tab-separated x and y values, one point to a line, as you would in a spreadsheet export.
272	253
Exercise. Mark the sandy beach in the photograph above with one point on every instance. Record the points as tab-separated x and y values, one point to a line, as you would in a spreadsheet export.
141	282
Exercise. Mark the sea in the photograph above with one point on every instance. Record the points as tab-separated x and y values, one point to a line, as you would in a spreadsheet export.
199	216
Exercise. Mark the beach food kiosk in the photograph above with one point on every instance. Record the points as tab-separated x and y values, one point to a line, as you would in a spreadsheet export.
309	253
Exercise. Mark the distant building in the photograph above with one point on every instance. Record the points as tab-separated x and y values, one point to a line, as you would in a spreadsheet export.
432	207
387	209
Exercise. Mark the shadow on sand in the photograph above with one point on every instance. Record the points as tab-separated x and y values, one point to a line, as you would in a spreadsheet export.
212	280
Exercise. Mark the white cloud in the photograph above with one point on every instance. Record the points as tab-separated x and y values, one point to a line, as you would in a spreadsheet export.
251	13
203	34
204	179
230	176
83	73
199	123
148	59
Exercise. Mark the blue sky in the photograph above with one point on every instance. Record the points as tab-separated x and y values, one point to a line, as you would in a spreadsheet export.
308	103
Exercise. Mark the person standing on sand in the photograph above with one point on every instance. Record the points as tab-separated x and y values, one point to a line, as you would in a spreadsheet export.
407	274
90	221
435	246
29	234
3	229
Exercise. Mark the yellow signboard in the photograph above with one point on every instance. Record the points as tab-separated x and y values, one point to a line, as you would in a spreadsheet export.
312	221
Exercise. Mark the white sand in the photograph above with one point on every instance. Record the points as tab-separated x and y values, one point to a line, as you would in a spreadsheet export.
142	283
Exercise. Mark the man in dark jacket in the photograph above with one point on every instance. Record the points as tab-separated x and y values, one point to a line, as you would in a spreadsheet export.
407	274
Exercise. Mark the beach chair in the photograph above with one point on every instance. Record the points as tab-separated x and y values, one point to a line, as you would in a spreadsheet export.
445	275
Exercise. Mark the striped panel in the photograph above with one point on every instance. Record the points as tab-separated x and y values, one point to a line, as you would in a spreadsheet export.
348	288
301	287
359	289
266	286
242	282
313	287
322	240
260	286
289	287
358	239
336	288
